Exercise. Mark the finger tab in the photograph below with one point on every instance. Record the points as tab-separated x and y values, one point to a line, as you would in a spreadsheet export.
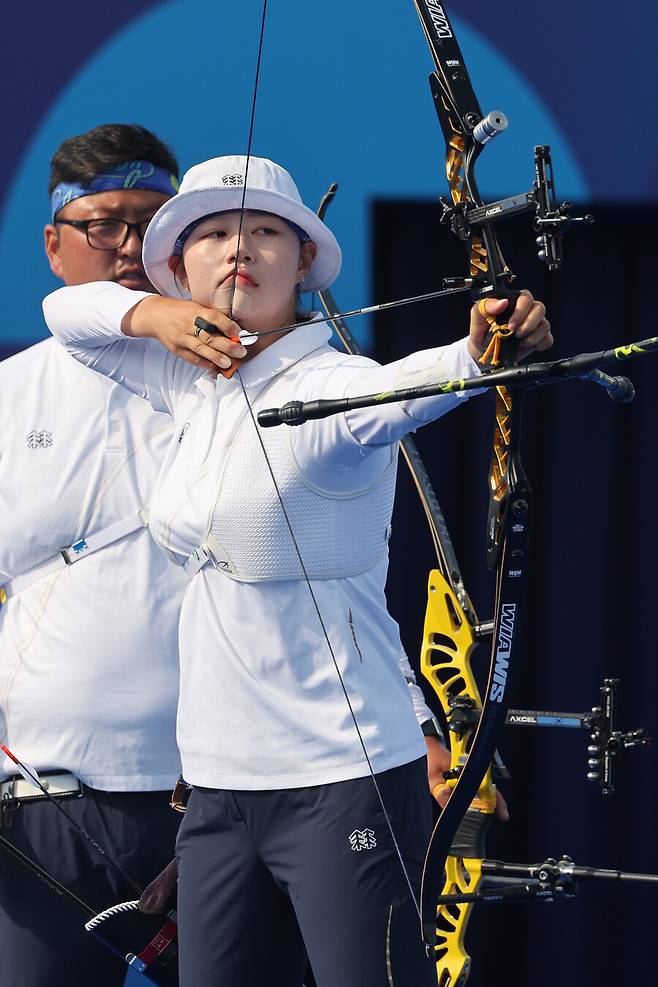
228	373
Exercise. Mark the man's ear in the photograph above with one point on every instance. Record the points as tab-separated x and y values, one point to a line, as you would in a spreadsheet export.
51	245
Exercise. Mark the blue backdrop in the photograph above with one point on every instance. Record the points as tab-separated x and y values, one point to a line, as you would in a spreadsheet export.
343	96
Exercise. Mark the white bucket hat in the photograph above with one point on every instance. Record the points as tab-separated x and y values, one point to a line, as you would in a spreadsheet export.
216	186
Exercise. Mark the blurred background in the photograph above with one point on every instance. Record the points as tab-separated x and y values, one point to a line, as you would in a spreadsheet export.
343	96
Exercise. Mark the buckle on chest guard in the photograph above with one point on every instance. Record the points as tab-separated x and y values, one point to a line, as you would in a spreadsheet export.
74	551
209	552
197	560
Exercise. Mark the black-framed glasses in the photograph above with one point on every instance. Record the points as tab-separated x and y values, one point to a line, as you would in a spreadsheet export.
106	234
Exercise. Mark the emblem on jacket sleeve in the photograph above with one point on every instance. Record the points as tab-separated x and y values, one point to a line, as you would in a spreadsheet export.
39	440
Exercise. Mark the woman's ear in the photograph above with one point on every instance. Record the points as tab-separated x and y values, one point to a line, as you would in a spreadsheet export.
306	257
180	275
177	268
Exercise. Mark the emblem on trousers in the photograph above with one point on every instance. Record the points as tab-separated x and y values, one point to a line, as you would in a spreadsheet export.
362	839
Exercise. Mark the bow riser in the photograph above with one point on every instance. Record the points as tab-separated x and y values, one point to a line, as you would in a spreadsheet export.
459	115
487	267
488	270
466	131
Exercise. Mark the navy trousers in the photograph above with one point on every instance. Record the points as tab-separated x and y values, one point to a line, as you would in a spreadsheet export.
42	938
266	876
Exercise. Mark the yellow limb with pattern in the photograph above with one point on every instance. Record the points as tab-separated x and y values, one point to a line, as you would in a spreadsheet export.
445	661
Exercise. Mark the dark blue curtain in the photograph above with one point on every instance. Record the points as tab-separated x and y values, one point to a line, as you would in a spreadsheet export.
592	600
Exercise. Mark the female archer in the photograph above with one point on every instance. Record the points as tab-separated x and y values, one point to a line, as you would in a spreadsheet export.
309	815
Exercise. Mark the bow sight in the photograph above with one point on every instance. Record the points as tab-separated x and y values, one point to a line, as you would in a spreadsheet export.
606	741
550	222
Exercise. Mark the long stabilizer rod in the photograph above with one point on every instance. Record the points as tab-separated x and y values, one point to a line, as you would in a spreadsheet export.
581	367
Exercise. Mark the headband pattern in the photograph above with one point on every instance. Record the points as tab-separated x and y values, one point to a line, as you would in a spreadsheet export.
127	175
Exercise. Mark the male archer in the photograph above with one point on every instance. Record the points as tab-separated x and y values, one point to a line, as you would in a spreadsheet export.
89	605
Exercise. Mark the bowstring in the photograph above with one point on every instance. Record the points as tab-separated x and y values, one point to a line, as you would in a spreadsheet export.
252	119
316	607
298	553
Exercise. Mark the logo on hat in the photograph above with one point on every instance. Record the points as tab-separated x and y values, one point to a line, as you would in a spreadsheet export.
223	185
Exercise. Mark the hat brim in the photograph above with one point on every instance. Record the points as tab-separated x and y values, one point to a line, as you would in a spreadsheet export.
186	207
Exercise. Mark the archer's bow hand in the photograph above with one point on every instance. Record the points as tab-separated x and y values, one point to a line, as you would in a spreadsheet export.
172	321
160	895
438	761
528	322
442	794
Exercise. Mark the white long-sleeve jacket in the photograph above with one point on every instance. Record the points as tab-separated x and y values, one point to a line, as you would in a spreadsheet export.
261	702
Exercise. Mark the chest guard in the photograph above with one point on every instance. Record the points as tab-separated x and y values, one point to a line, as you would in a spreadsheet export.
338	533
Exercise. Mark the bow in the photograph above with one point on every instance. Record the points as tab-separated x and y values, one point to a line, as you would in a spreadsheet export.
155	958
447	634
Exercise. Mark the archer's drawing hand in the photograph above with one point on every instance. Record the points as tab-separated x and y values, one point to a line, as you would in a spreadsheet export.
532	328
171	322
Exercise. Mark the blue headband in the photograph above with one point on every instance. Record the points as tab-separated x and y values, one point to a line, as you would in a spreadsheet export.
182	237
129	174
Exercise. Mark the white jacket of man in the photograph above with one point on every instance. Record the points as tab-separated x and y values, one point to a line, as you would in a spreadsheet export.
89	650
